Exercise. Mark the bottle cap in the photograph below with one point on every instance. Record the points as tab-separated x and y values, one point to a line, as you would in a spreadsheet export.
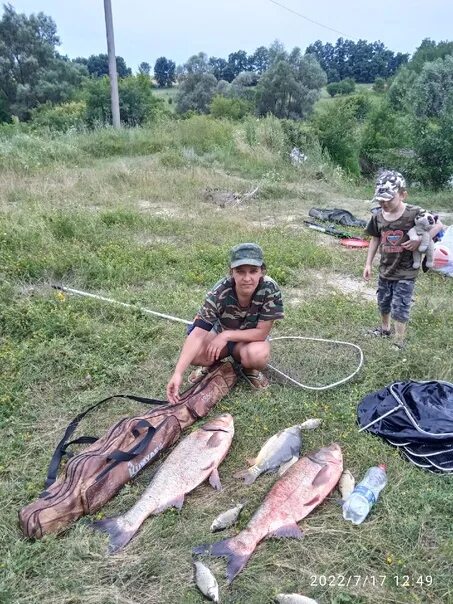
383	466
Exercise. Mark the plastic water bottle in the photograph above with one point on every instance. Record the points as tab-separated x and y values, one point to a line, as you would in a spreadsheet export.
359	503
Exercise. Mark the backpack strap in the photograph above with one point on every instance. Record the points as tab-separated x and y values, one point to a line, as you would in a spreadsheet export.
61	448
118	456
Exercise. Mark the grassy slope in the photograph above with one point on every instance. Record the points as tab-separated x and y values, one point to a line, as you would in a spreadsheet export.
138	229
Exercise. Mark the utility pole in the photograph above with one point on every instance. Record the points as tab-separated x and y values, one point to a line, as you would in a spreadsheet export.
112	65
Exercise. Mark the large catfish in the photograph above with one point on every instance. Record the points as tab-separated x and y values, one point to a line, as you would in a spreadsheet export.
292	497
196	458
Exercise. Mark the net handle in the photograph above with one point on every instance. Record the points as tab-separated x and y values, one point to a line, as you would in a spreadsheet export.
297	383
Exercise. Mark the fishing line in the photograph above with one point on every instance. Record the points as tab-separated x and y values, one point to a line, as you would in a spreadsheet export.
293	358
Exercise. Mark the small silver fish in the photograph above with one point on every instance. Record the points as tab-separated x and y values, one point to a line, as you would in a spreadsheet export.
205	581
227	519
282	450
293	599
346	484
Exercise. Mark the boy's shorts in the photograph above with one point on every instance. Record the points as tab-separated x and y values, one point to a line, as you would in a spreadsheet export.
395	298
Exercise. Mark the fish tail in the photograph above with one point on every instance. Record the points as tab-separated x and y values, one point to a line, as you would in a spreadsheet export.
233	550
118	536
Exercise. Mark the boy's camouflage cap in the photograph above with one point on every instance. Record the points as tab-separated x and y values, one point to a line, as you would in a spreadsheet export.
246	253
388	184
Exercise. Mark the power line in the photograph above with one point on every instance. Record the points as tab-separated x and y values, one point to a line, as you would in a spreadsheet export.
310	20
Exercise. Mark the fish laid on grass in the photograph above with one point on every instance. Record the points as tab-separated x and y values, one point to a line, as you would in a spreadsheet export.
205	581
226	519
346	484
282	450
303	487
293	599
195	458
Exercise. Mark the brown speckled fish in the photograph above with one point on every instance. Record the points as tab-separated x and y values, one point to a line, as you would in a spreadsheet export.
303	487
195	459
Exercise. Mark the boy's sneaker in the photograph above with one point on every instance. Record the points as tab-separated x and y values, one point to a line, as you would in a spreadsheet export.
256	379
197	375
379	332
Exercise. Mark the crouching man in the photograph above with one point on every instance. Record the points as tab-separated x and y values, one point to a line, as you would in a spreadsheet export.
235	320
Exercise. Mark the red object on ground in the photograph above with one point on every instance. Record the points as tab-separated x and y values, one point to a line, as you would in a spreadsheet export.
353	242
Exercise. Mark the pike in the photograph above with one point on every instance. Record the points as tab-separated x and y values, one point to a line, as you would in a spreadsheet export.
195	459
302	488
280	451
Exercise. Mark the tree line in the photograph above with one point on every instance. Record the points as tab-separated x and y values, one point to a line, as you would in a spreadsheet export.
407	123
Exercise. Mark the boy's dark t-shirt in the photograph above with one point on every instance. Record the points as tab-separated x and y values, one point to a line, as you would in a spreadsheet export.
221	307
396	262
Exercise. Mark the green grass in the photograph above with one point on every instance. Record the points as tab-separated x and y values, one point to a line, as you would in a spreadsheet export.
134	226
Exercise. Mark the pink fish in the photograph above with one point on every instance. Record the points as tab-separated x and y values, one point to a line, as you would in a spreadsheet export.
303	487
195	458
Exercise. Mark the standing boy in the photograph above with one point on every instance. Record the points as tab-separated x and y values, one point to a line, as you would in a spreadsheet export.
235	319
389	228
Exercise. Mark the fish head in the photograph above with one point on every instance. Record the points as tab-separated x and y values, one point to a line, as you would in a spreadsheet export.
221	423
293	430
331	454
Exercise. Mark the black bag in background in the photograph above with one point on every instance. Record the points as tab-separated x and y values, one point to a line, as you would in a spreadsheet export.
415	416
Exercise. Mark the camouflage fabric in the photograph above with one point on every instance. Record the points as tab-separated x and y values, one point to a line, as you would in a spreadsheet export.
395	262
395	298
221	307
388	184
246	253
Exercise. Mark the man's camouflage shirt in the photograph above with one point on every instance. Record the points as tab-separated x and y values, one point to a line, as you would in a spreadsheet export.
221	308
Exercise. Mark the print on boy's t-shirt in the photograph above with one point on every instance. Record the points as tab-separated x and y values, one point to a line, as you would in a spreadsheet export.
390	240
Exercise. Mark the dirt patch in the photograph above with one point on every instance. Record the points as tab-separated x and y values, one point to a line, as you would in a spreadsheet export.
349	285
146	239
158	209
323	284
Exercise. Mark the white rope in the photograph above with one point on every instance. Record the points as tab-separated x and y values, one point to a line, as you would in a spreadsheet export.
179	320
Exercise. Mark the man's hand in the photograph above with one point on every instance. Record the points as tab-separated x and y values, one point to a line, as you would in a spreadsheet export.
215	347
173	387
412	244
367	272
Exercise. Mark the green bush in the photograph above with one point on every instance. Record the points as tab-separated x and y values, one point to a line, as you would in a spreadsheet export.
379	85
338	131
298	134
202	133
233	109
138	104
386	140
433	145
61	118
343	87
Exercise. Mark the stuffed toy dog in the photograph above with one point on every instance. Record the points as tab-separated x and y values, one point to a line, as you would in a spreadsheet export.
424	222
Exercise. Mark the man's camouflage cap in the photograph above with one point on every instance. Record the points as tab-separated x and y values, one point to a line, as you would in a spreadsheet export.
246	253
388	184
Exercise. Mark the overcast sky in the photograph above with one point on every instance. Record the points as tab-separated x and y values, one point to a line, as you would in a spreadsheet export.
147	29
